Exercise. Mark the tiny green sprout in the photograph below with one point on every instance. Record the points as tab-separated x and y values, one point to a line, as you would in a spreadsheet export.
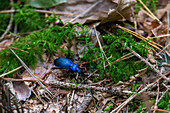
109	107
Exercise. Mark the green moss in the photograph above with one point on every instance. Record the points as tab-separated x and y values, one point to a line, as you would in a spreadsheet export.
4	4
151	4
109	107
165	102
4	22
27	19
37	43
114	49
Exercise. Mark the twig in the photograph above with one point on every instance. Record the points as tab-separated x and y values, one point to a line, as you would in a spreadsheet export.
160	36
115	90
146	13
157	100
150	65
162	96
100	44
14	48
10	22
88	76
163	49
122	58
72	96
161	110
155	106
11	71
86	11
19	80
166	86
134	95
152	15
53	12
92	61
40	11
26	67
37	96
141	37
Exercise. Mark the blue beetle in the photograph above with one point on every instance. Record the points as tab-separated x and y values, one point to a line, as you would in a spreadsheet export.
67	64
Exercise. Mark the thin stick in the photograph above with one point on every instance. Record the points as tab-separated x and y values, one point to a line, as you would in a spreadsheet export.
162	95
134	95
150	65
153	16
10	22
100	44
26	67
20	80
140	37
86	11
11	71
160	36
122	58
14	48
163	49
146	13
88	76
161	110
40	11
92	61
155	106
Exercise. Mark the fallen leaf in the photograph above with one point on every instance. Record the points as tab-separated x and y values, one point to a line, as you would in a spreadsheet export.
22	91
160	30
6	43
122	10
45	3
151	57
90	11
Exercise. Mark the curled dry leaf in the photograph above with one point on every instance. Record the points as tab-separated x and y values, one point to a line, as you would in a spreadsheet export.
22	91
160	13
122	10
151	57
160	30
103	10
141	17
6	43
149	24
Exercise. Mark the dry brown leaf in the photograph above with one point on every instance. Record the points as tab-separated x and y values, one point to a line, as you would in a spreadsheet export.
161	12
160	30
115	8
141	17
22	91
149	24
6	43
122	11
151	57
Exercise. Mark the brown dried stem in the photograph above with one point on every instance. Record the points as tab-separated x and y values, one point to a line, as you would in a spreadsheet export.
10	22
150	65
11	71
31	73
134	95
40	11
